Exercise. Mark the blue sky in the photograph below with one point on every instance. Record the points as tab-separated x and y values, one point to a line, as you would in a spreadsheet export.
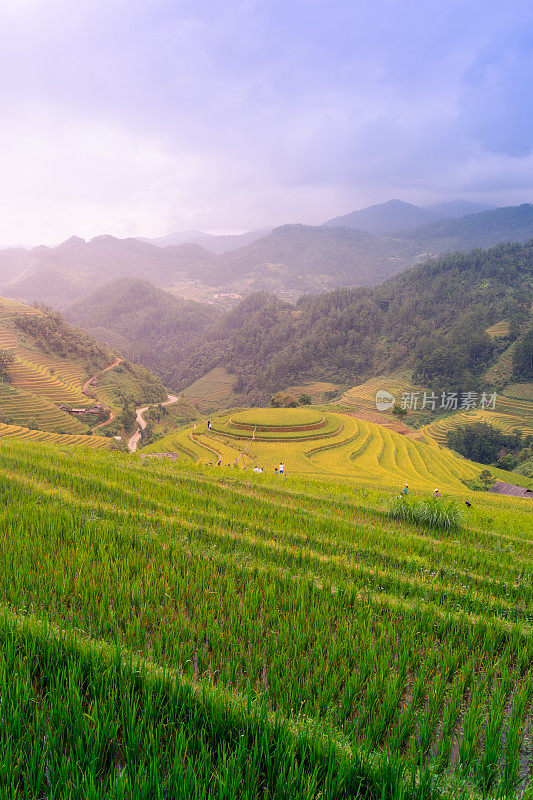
136	118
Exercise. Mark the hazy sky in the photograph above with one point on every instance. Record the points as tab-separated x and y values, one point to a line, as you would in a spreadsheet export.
143	116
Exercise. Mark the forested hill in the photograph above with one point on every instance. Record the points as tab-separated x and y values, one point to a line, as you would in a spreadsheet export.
307	258
432	318
512	223
303	257
147	324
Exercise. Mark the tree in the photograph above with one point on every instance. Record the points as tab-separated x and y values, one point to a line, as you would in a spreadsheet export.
283	400
480	442
507	461
128	417
487	479
305	399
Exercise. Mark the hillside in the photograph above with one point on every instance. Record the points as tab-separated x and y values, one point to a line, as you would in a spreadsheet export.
303	259
291	261
430	320
307	259
59	275
59	384
510	224
182	627
152	326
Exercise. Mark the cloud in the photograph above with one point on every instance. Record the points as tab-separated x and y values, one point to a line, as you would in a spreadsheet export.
140	116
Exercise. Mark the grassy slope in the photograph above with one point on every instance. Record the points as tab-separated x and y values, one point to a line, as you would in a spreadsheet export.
298	594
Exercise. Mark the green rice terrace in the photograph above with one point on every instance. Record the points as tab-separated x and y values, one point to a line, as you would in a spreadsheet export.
177	630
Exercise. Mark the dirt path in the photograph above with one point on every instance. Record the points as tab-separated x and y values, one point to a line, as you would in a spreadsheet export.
112	416
87	383
133	441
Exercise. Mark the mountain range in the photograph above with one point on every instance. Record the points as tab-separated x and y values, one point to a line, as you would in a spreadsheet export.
292	260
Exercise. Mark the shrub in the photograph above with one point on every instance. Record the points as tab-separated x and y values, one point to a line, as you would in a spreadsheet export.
399	411
432	512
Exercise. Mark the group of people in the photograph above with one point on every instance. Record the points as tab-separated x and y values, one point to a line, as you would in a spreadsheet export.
405	491
280	470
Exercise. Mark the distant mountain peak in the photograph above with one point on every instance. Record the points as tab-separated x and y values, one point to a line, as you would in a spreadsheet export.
73	241
393	215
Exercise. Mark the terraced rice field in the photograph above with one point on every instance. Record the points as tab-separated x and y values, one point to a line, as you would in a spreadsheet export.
8	307
20	407
499	329
348	447
510	414
211	392
20	432
39	380
363	396
69	372
519	391
192	632
8	340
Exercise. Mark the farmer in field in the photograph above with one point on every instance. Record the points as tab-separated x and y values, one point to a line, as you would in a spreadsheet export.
209	424
436	494
281	468
405	490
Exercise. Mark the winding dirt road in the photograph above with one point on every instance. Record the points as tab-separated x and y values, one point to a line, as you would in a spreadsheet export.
133	441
